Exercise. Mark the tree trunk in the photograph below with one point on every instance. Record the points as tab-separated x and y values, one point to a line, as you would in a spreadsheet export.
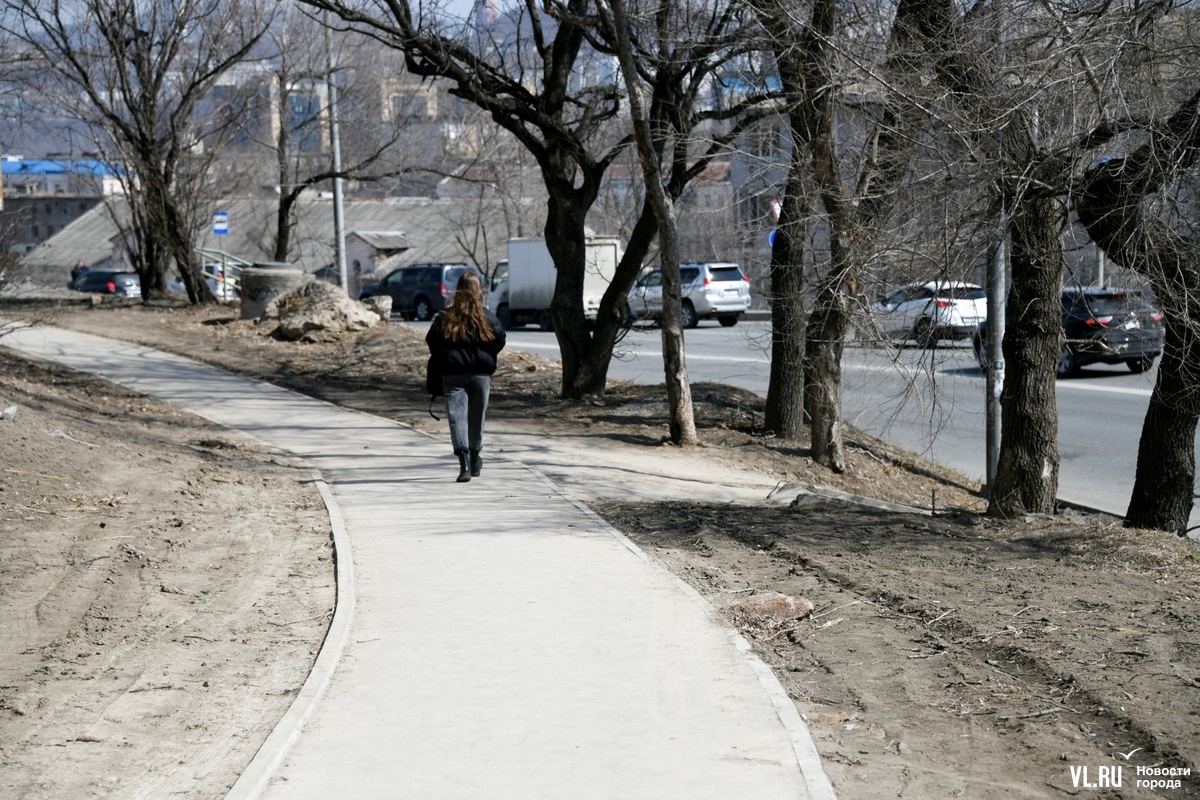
150	252
682	426
182	250
283	226
287	193
784	414
610	318
1027	473
824	341
1164	489
567	242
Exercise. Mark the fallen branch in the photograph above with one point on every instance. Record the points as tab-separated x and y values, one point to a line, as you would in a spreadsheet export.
940	617
36	474
839	608
1045	713
57	432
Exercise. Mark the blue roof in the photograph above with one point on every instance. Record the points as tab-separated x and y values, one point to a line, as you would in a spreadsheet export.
48	167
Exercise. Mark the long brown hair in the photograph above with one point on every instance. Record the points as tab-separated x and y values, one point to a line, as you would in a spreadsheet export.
464	317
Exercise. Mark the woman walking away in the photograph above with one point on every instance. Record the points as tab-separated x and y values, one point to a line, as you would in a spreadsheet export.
465	339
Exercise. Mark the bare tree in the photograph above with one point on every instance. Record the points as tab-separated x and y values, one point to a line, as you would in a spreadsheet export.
1115	202
537	79
681	53
966	62
545	79
304	58
679	393
808	63
140	71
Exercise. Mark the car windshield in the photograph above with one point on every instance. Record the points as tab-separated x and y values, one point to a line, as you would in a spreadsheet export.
653	278
1104	304
1114	305
725	274
454	273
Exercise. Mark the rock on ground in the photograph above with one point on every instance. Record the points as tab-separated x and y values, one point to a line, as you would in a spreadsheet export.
771	610
381	305
317	308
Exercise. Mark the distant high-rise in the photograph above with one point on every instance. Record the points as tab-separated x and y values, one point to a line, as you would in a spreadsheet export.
485	13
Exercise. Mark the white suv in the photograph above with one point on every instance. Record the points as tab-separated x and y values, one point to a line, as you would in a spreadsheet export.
718	290
930	311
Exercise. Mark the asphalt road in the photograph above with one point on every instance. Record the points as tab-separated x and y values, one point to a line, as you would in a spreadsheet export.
927	401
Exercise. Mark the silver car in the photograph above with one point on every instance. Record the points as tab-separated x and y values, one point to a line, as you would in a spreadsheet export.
718	291
931	311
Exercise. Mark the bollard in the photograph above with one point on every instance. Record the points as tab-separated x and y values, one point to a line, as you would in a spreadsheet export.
263	282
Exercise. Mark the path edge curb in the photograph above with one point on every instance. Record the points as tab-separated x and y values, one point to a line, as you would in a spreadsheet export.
255	777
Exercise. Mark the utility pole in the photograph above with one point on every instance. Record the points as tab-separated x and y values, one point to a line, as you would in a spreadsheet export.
997	287
335	144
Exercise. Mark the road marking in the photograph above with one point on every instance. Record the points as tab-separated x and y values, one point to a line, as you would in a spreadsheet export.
1086	387
639	352
846	367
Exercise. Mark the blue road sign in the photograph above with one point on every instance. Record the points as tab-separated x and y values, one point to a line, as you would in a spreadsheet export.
221	223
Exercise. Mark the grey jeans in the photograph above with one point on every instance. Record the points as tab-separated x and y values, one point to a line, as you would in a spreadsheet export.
466	406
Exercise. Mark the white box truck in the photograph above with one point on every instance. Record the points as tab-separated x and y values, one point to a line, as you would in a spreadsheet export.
523	286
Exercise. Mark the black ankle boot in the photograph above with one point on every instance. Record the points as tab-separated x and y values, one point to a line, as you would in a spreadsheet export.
476	463
464	467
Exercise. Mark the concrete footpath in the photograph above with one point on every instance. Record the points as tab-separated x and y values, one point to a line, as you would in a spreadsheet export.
493	639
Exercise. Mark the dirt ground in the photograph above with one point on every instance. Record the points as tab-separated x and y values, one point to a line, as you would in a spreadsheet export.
165	614
165	587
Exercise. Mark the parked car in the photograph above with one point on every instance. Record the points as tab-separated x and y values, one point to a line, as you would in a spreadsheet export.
222	282
718	291
109	281
419	290
1110	326
928	312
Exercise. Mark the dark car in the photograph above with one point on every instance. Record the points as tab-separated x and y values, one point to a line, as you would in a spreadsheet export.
419	290
1110	326
109	281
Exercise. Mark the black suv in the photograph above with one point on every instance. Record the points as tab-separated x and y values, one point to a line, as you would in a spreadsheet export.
109	281
1111	326
419	290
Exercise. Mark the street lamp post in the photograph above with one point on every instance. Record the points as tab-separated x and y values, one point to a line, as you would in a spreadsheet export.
335	144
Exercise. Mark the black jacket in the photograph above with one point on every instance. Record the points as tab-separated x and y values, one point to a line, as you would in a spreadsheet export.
471	357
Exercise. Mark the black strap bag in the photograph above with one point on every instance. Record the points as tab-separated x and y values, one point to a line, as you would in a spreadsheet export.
433	377
433	382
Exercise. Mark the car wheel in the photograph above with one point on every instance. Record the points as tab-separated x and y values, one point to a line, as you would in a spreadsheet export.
505	316
1139	365
1068	364
924	333
687	317
727	322
980	354
544	321
422	310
